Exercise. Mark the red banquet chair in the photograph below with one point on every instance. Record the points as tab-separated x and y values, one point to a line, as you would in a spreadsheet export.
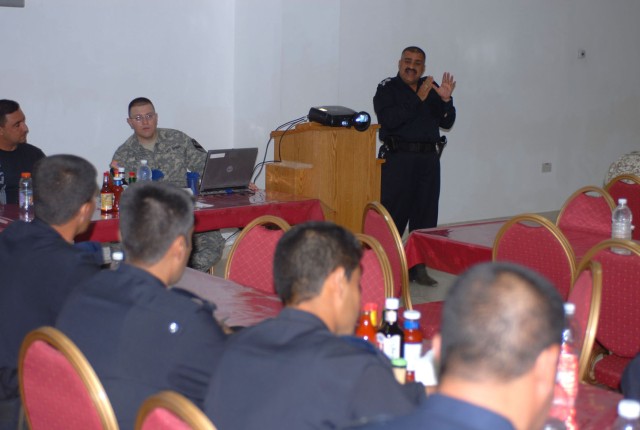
58	386
377	280
628	187
618	328
586	295
169	410
377	222
585	218
250	261
533	241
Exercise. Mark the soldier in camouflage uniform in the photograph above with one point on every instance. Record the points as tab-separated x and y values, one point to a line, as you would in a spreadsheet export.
173	153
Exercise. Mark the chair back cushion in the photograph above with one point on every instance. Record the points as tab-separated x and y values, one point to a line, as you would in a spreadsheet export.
162	419
580	296
252	261
619	323
376	226
372	280
534	242
55	396
588	209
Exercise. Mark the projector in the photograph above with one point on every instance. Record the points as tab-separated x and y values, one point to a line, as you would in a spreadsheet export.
340	116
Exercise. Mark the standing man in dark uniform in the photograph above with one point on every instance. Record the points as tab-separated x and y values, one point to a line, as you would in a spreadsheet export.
411	110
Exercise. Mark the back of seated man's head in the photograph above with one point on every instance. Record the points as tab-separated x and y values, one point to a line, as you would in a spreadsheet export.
61	185
152	216
497	319
307	254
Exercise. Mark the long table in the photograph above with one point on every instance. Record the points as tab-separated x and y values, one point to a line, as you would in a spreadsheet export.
221	211
236	305
455	248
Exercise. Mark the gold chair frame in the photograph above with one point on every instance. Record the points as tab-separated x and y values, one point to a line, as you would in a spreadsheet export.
595	349
544	223
588	189
177	404
585	361
76	358
382	211
263	220
373	244
624	177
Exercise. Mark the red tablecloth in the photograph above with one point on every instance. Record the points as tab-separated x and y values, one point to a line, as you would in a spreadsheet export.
455	248
452	249
236	305
228	211
596	408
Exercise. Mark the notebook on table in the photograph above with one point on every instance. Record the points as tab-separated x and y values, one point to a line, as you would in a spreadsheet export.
228	171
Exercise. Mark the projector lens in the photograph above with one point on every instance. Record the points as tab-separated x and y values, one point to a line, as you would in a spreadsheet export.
361	121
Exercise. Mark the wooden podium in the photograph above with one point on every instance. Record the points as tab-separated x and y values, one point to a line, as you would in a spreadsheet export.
336	165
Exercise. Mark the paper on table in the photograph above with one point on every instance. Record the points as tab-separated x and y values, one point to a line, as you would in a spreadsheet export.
201	205
425	370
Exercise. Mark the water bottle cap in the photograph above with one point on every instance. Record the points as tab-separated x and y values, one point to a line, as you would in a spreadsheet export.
117	256
629	409
392	303
411	315
622	201
569	309
25	175
143	162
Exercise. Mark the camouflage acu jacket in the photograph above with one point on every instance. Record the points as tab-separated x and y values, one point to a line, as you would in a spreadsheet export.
174	153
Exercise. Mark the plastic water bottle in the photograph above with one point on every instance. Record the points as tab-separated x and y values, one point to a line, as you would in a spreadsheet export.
144	172
25	192
628	415
621	225
567	380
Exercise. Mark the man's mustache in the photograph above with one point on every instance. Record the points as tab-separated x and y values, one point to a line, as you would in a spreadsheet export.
408	69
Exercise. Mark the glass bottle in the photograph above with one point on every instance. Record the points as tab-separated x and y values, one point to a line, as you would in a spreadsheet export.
365	329
106	195
117	191
390	337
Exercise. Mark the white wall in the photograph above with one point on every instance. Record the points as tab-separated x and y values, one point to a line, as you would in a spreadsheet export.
228	72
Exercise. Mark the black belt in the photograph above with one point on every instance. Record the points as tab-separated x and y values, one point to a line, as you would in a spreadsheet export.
419	147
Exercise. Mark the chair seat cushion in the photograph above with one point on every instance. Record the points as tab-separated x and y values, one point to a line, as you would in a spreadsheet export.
608	371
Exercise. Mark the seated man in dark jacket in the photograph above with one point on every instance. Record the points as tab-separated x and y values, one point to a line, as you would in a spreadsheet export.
39	266
296	371
501	331
140	336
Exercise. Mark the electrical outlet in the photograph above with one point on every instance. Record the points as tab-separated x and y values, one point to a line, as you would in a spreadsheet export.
546	167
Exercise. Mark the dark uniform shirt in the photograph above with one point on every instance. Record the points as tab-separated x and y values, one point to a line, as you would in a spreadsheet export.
141	338
401	113
38	271
441	412
12	164
291	372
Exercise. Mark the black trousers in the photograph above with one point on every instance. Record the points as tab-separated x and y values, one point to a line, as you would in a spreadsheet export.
411	189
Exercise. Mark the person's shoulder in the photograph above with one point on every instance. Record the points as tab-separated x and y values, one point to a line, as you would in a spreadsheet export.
387	82
31	150
171	134
127	144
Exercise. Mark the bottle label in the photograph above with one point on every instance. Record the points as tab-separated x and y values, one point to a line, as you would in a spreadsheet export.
106	201
391	345
412	352
25	199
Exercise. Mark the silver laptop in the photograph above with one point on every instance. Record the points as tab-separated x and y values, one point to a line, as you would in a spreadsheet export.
228	171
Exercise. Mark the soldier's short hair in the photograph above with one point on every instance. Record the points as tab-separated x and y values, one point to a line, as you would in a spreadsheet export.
152	216
139	101
307	254
61	185
7	107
